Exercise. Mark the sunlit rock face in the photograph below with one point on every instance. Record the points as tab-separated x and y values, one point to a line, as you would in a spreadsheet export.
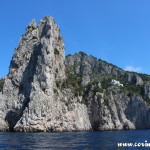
33	95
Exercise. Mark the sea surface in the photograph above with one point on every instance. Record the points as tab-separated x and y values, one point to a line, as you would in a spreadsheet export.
107	140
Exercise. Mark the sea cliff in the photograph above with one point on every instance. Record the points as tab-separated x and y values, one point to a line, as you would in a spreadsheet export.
46	91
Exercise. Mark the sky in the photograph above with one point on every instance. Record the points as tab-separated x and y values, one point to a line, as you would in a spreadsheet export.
117	31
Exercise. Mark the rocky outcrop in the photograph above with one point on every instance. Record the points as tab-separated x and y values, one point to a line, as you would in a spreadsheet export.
93	68
134	79
3	124
111	107
138	112
114	110
108	113
33	99
146	90
44	91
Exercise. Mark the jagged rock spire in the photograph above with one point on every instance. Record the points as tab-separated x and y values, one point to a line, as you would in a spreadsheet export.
37	63
33	94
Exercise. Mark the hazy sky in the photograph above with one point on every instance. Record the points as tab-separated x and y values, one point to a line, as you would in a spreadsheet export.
117	31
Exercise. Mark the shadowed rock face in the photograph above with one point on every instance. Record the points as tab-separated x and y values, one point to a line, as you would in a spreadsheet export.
44	91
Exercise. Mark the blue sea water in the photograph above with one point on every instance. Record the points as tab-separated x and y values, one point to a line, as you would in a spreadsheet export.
107	140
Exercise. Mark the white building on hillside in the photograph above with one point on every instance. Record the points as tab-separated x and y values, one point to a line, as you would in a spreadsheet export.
115	82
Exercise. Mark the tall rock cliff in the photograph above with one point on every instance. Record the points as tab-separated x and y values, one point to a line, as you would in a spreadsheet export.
110	106
44	91
33	99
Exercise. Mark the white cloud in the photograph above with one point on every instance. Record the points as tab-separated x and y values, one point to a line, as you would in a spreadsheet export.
132	68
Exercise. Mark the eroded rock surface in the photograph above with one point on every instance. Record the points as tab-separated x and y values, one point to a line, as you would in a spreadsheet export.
110	107
32	92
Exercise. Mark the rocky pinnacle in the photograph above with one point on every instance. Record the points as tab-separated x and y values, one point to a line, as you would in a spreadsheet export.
33	98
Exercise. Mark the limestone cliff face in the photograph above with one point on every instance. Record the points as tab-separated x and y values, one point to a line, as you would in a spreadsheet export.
114	110
33	99
44	91
93	68
110	107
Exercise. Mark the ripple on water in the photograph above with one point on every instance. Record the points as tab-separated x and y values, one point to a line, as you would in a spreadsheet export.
71	140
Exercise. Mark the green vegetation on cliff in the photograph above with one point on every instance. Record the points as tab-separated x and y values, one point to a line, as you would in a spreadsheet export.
89	75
